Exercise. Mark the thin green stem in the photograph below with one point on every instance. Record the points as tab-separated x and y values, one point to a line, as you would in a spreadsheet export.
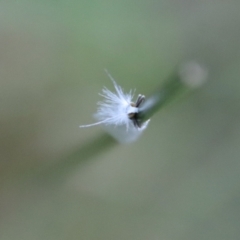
189	76
160	97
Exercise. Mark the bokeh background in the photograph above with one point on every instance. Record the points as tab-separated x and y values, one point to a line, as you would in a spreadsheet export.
179	181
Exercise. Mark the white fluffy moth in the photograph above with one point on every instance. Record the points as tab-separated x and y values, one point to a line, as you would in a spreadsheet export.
118	114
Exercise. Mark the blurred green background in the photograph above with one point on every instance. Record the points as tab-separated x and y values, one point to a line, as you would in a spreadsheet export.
180	181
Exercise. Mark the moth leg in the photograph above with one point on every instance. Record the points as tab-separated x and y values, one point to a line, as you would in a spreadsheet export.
133	116
140	100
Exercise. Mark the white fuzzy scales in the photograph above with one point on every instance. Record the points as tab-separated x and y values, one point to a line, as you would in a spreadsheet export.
114	114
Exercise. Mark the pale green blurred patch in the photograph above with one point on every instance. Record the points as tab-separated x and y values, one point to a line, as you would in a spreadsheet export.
179	181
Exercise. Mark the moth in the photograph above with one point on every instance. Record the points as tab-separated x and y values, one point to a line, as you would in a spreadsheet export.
118	113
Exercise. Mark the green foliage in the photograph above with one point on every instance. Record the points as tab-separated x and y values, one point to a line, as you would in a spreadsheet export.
179	181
